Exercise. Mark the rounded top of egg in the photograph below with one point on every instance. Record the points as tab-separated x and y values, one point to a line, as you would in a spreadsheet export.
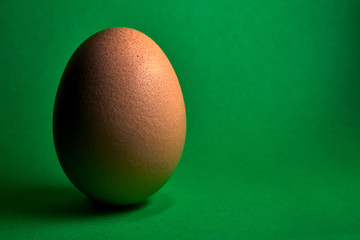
119	117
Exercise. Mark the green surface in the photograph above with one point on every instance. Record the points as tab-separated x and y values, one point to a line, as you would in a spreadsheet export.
272	90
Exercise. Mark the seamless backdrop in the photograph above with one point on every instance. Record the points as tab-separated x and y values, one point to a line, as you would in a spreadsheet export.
272	93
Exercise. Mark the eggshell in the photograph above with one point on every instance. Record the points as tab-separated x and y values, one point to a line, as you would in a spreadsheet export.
119	119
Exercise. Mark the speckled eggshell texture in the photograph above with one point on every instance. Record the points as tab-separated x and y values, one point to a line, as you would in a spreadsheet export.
119	118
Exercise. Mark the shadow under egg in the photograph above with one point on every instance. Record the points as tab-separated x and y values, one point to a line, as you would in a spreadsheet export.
66	202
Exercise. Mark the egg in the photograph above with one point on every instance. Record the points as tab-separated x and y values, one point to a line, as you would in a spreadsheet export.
119	121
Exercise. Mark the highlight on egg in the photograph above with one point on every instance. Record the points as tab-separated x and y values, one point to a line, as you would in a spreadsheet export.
119	121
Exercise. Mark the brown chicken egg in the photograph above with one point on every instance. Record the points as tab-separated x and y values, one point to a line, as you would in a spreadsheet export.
119	120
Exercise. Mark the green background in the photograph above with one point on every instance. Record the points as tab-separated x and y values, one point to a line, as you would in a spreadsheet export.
272	92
